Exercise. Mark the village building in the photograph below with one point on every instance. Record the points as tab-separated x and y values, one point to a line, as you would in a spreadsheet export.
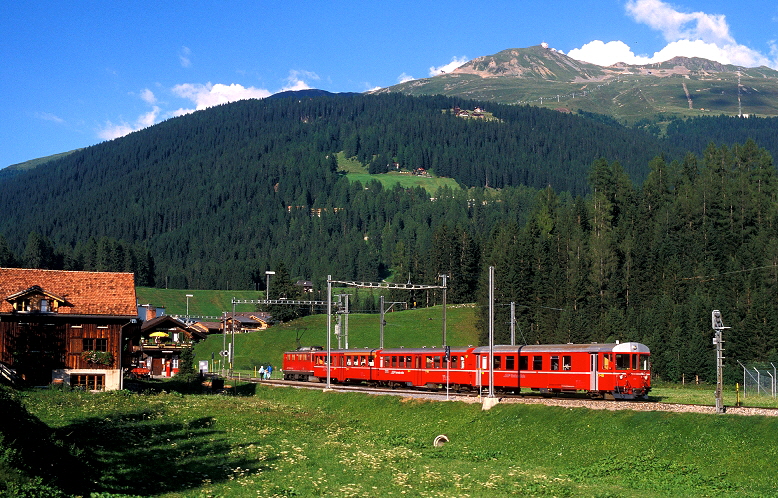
67	327
162	339
246	322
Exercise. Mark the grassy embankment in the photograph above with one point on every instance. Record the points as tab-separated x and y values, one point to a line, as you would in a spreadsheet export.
356	171
293	442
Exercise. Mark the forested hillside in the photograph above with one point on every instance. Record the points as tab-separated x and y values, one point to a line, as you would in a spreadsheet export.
221	193
597	232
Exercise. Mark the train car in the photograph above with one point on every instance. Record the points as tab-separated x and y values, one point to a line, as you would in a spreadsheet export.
347	366
617	370
425	367
298	364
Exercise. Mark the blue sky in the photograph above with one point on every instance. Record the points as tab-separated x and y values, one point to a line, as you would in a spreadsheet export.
74	74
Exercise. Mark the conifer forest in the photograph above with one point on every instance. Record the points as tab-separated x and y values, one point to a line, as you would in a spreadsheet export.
597	231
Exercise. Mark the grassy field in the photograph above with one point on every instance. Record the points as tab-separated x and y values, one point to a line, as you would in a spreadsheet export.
356	171
294	442
202	302
411	328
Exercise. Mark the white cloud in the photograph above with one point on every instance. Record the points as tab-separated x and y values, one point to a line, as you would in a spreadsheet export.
675	25
47	116
202	96
148	96
296	80
447	68
183	56
405	78
110	130
690	34
209	95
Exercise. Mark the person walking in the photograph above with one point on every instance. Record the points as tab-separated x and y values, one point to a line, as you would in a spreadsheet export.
261	372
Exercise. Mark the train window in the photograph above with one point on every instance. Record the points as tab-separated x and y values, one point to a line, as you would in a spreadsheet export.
401	362
510	362
497	360
418	362
644	363
454	361
394	361
537	363
634	362
362	361
555	363
567	362
437	361
370	361
428	362
320	360
409	362
523	362
462	362
622	361
607	361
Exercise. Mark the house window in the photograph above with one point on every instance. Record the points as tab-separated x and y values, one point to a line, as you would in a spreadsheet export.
94	345
89	382
44	305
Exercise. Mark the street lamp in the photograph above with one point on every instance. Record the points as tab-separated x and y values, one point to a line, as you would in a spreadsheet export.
187	304
267	284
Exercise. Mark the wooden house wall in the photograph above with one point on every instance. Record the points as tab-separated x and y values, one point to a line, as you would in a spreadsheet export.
36	345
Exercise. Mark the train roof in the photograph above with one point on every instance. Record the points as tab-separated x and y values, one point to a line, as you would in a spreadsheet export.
623	347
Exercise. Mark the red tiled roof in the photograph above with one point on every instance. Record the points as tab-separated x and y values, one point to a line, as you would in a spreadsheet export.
85	293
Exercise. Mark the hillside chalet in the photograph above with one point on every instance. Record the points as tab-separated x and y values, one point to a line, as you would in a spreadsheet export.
67	327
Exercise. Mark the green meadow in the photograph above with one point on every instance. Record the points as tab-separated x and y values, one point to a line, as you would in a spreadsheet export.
271	441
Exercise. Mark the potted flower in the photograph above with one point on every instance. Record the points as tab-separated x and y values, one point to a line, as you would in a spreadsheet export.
98	357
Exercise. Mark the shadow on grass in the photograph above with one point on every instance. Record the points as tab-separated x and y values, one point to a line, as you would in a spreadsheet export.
144	453
198	386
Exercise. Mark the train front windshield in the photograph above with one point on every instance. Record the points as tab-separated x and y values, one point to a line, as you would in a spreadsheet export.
627	361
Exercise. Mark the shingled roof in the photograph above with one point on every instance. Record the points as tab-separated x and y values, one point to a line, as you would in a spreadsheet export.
85	293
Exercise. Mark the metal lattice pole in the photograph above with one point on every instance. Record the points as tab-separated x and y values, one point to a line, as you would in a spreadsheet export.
718	327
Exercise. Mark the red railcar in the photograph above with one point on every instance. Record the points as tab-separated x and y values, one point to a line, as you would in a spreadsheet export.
611	370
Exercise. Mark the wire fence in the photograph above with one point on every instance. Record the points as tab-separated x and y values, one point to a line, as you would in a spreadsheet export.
759	379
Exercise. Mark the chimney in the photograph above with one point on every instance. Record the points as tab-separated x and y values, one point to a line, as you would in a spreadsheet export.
151	312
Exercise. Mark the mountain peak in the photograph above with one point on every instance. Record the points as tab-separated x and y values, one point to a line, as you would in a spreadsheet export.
535	62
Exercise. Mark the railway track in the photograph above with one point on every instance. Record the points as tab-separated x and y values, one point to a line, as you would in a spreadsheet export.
569	401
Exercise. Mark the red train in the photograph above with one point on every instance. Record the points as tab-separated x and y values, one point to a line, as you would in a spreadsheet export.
613	371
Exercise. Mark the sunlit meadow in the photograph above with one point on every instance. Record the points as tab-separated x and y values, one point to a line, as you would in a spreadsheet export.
294	442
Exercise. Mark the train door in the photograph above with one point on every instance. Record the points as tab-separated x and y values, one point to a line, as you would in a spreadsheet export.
593	381
483	368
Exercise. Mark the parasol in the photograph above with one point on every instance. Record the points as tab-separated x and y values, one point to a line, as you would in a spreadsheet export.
158	334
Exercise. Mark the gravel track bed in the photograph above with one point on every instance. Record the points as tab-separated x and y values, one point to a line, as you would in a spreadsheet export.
642	406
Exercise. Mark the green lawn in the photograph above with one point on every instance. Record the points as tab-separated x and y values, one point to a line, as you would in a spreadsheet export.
293	442
202	302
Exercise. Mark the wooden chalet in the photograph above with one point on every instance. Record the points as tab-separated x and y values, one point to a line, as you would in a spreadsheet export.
67	327
247	322
207	328
162	339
